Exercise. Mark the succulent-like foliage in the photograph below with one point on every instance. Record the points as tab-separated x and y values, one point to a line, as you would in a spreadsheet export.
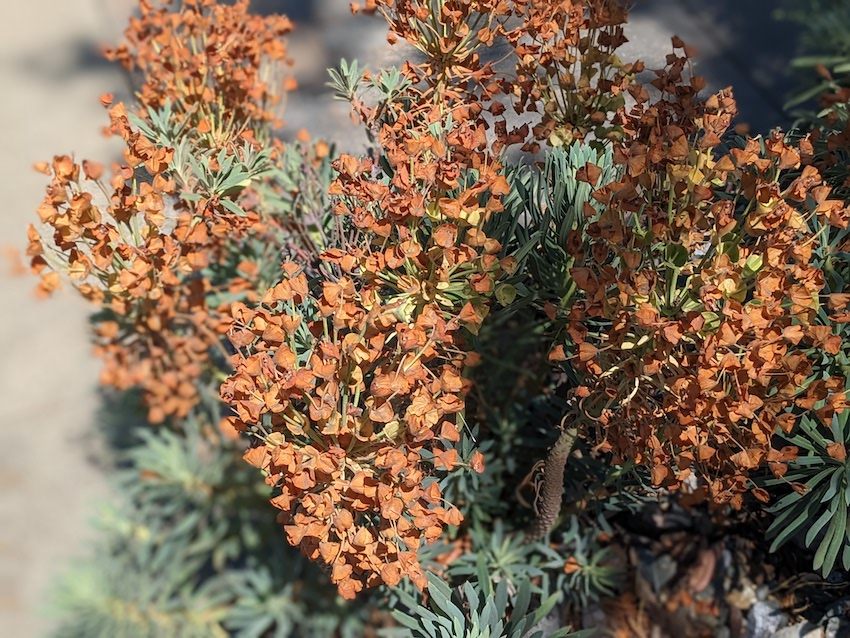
816	509
475	610
547	207
824	44
141	587
591	572
497	556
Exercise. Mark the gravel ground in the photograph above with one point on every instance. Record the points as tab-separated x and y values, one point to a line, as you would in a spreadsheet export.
50	483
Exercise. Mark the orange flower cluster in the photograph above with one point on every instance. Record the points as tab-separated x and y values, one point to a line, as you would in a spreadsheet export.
699	301
355	409
358	408
220	65
132	251
830	135
450	35
566	68
144	243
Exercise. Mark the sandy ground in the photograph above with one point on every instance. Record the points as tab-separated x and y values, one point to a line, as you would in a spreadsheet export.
49	489
52	75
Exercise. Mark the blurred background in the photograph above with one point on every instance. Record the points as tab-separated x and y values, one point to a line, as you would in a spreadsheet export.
52	73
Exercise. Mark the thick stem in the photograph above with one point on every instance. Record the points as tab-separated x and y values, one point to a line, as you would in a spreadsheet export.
552	487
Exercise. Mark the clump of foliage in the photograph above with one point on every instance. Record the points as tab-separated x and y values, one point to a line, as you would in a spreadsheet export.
475	612
821	491
553	274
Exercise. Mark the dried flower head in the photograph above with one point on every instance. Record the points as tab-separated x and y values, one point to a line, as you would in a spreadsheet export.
145	243
217	64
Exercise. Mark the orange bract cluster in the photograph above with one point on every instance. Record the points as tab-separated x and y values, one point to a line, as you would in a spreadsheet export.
355	408
699	301
141	244
449	35
831	135
132	250
567	70
218	64
358	408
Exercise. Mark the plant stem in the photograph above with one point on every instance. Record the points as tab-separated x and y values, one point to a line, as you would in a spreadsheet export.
552	487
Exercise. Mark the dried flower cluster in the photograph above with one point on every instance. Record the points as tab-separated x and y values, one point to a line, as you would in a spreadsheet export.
353	408
143	244
363	407
220	66
698	314
567	70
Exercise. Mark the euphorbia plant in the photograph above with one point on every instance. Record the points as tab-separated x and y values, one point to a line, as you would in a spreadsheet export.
668	294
